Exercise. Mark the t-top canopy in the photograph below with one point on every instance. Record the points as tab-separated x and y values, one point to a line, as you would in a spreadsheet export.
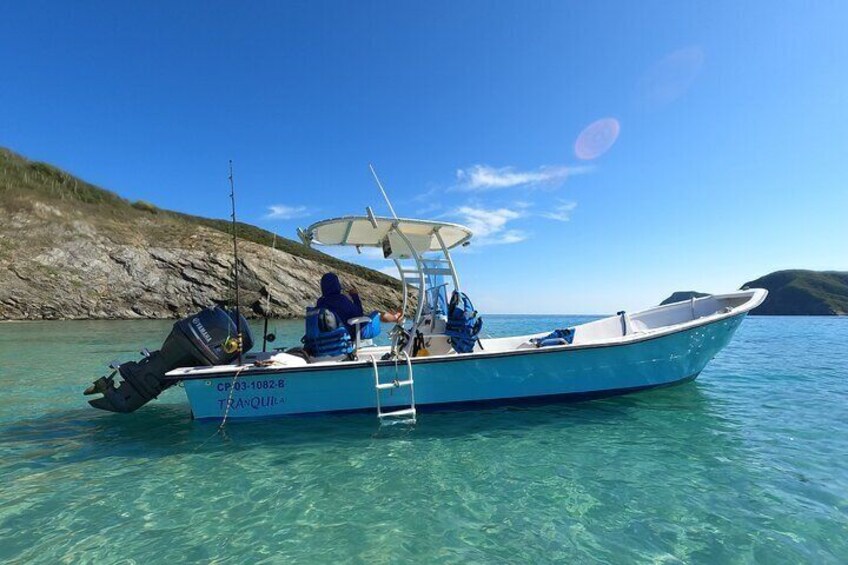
371	231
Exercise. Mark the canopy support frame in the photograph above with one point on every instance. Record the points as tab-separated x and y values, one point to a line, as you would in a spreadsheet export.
419	266
419	275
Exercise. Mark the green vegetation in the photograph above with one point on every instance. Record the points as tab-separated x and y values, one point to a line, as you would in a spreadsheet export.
22	179
18	175
145	206
803	293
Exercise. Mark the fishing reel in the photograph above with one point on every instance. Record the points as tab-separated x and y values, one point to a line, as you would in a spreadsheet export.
231	345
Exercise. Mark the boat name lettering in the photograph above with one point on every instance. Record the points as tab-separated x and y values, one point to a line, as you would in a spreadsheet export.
250	403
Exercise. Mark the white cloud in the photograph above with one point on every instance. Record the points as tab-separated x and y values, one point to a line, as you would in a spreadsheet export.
490	226
283	212
561	212
509	236
485	177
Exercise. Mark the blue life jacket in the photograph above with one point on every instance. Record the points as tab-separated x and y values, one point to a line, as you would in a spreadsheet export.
326	335
556	337
463	323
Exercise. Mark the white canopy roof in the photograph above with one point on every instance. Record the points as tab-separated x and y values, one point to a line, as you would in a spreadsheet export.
361	231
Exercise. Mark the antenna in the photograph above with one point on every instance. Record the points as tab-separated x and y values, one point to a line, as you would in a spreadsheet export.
239	344
383	190
266	337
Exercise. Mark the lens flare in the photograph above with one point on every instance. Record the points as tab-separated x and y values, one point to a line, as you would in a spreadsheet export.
596	138
670	78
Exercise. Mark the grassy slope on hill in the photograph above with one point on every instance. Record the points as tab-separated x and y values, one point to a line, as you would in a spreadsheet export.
799	292
22	180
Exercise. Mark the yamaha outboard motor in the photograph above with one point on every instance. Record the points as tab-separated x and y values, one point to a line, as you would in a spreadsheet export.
207	338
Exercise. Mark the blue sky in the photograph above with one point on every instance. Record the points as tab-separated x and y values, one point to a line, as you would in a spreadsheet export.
718	152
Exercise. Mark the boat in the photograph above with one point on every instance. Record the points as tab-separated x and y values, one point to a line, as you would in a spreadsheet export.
432	362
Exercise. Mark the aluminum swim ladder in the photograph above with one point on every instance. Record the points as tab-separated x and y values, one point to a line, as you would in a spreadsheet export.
395	416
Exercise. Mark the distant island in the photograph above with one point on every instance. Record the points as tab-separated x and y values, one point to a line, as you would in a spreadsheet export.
794	293
72	250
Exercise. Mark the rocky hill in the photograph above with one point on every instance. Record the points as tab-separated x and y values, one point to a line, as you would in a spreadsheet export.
794	293
69	249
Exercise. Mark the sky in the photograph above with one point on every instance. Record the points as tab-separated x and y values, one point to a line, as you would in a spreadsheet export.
606	154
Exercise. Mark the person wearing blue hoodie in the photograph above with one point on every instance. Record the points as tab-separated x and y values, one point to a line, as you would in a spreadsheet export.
346	308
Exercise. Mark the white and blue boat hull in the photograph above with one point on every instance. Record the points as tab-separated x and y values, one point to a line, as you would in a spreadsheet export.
510	377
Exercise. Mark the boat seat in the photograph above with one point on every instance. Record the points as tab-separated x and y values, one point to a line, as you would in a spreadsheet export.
358	324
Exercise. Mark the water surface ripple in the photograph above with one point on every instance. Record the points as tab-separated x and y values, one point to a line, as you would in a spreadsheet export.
749	463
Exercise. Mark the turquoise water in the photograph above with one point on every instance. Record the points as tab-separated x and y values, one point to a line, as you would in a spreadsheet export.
747	464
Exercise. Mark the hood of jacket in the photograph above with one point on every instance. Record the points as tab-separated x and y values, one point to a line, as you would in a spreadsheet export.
330	284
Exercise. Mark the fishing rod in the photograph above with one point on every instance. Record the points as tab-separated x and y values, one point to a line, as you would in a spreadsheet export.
239	343
266	337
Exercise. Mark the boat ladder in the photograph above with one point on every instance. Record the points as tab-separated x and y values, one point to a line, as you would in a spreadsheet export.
395	415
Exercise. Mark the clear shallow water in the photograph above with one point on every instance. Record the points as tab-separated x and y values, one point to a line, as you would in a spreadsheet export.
747	464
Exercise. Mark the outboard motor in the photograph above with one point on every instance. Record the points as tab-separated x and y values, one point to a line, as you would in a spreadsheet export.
206	338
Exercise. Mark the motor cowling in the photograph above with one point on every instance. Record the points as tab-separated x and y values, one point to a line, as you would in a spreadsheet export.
206	338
